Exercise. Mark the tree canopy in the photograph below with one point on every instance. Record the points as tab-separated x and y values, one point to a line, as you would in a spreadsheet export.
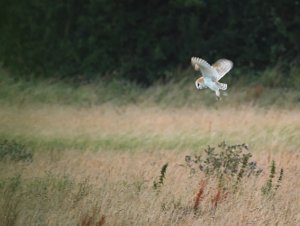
144	40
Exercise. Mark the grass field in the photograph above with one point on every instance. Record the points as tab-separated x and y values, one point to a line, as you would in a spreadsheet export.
96	155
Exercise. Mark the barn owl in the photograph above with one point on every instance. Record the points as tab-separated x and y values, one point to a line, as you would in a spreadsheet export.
211	74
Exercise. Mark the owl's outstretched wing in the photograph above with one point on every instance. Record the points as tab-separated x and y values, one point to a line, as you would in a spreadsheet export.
206	70
223	66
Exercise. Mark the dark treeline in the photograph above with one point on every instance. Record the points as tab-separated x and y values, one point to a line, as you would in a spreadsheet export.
144	40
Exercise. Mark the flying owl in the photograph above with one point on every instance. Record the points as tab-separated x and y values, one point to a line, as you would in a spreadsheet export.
211	74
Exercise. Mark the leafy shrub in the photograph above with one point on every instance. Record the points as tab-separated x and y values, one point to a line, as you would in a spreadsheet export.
226	166
12	150
228	161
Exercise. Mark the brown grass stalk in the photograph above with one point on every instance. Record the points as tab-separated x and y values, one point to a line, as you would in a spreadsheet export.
199	195
218	197
89	220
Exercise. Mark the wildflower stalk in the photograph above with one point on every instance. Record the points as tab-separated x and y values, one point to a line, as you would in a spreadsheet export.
162	177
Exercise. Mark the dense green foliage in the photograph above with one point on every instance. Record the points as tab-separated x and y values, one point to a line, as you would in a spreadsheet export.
144	40
12	150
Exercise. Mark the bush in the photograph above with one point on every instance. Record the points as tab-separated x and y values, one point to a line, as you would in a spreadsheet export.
12	150
226	166
229	164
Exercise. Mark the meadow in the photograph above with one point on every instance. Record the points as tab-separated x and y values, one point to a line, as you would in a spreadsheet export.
118	154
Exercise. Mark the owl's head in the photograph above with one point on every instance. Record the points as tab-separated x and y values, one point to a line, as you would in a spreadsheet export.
200	83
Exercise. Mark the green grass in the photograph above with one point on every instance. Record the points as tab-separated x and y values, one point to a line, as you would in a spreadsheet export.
113	143
56	92
285	137
179	92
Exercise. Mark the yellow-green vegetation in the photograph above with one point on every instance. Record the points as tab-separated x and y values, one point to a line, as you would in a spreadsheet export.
116	154
179	92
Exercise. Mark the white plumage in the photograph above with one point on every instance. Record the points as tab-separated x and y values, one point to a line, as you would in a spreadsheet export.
211	74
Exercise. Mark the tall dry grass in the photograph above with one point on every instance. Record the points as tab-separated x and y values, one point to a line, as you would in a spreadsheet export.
97	165
120	189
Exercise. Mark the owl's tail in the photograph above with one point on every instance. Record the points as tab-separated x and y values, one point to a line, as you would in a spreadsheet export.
221	86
